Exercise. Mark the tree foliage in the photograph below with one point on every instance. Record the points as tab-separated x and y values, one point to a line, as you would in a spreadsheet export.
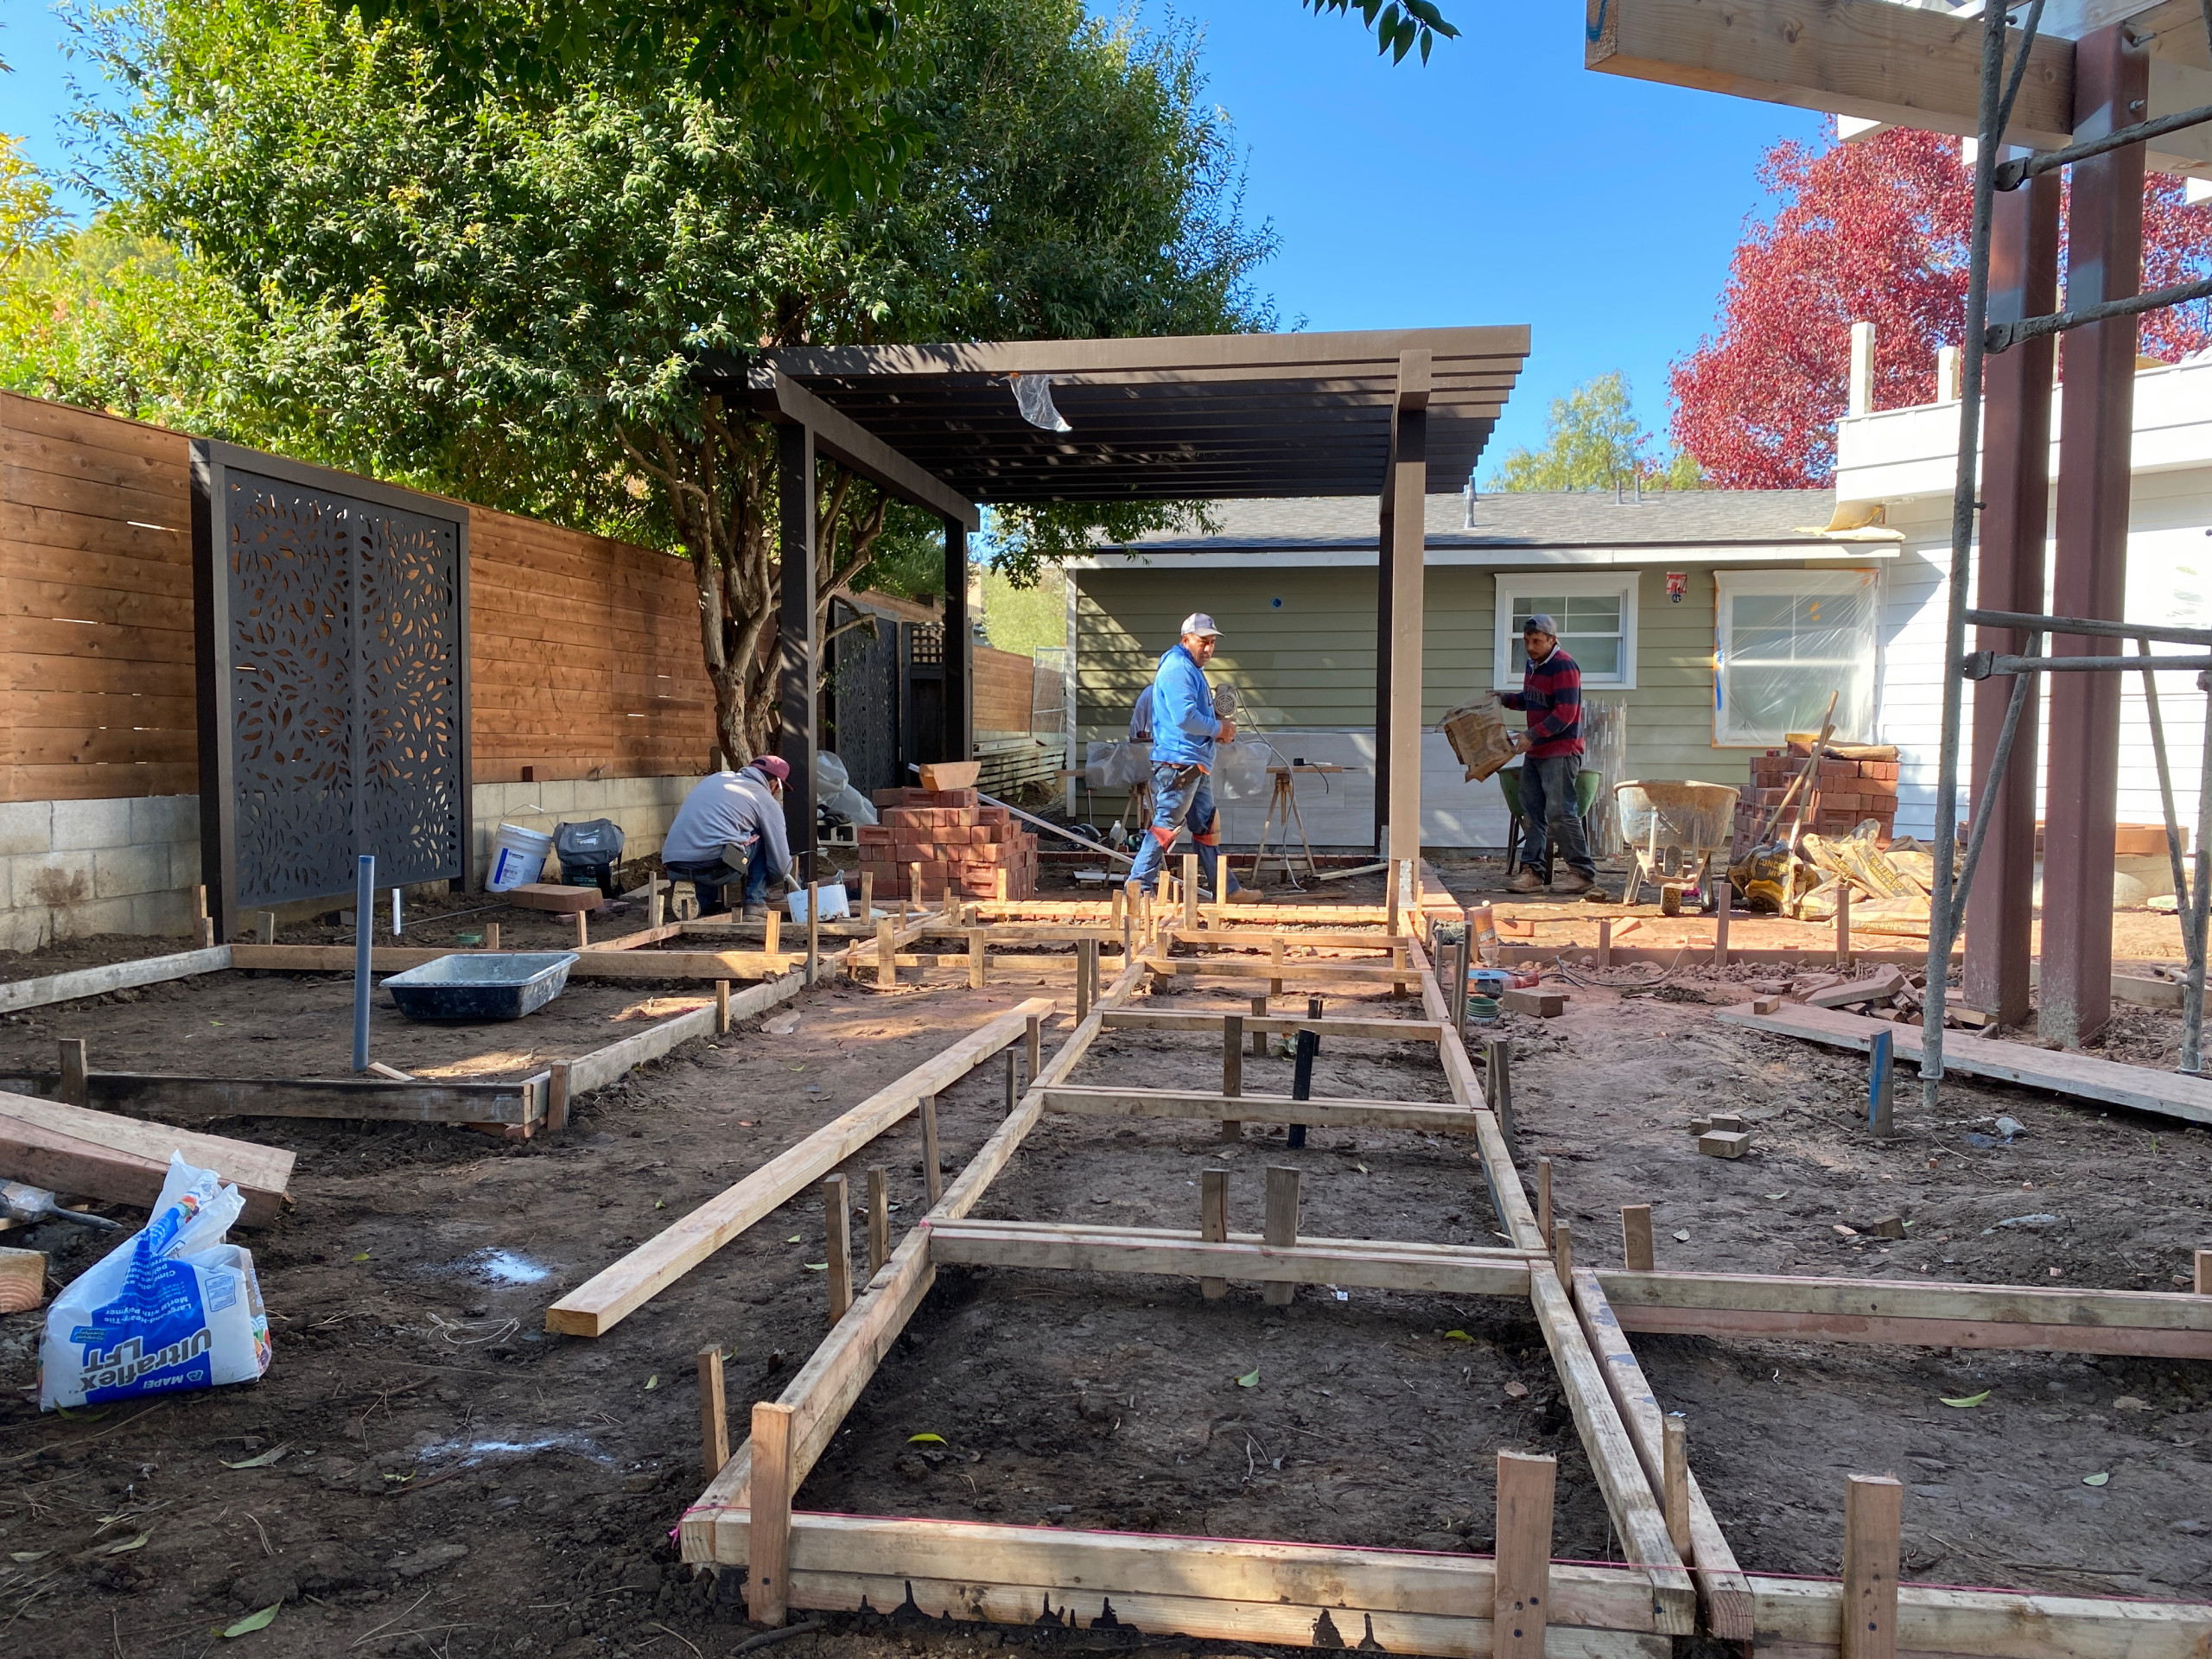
505	297
1877	232
1593	441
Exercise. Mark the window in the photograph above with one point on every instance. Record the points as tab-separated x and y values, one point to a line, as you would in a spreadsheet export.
1785	640
1596	623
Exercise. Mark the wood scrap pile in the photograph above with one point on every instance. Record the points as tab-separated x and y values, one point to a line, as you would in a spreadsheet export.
1887	993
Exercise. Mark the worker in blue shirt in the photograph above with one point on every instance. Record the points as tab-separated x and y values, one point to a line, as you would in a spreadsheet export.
1184	729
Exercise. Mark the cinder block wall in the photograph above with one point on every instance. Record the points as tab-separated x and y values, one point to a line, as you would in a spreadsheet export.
71	869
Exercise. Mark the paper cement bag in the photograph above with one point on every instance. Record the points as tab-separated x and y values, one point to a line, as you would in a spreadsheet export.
1479	736
171	1307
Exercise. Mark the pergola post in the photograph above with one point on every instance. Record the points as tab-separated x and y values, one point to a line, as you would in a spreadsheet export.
2104	261
1385	547
2015	518
798	653
1408	602
959	646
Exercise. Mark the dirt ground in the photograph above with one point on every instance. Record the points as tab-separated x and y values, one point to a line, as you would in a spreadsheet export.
453	1481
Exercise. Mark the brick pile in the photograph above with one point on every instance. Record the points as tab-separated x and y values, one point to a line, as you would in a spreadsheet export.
1851	791
955	838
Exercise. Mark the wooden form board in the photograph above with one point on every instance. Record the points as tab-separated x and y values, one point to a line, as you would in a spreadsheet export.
2080	1077
94	1154
1260	1109
590	964
594	1307
1405	1031
113	977
617	1061
369	1100
1901	1312
1209	968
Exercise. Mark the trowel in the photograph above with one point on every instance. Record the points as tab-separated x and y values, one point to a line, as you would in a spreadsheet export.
20	1201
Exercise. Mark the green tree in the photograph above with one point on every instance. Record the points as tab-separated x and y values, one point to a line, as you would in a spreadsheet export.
1593	441
507	298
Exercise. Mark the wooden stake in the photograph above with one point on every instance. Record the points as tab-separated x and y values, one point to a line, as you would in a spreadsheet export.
814	929
1497	1089
1723	902
1281	1223
200	904
1525	1489
868	894
772	940
656	904
76	1087
1130	895
879	1219
838	1223
1397	875
1275	960
1033	1044
768	1536
1398	986
2204	1273
998	885
491	935
1874	1513
1120	899
556	1097
203	933
1674	1481
1232	1068
1213	1224
1191	892
913	887
1605	942
975	959
265	926
1636	1238
1544	1197
583	929
1259	1037
1843	924
1013	1080
930	1170
713	1413
1563	1251
1086	977
721	1008
886	955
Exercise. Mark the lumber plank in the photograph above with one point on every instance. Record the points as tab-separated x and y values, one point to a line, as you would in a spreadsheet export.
2079	1077
1111	1250
1635	1513
601	1302
2152	1323
590	964
113	977
1260	938
97	1154
1407	1031
1723	1590
1260	1109
371	1100
834	1376
1802	1618
1496	1157
604	1065
1207	968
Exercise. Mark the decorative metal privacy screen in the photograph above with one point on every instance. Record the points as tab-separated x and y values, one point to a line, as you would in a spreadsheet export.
333	621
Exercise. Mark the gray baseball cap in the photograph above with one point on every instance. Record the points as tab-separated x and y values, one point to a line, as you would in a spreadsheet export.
1196	622
1541	622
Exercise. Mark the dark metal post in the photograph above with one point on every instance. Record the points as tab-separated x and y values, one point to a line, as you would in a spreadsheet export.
2104	261
1385	574
959	646
798	657
364	933
2016	497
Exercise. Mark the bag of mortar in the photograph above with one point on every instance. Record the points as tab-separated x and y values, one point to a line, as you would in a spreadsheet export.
1479	735
172	1307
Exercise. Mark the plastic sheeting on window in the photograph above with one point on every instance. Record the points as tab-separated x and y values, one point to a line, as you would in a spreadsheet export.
1786	639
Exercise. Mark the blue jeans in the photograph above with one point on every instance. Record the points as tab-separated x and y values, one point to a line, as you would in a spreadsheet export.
1547	815
720	872
1179	795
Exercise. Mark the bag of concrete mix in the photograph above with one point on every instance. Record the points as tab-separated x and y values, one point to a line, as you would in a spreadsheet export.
1479	735
172	1307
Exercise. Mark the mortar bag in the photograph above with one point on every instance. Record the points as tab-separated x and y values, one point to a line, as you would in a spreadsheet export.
1240	769
173	1307
1479	735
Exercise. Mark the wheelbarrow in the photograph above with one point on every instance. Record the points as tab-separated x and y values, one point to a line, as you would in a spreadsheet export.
1587	783
1690	821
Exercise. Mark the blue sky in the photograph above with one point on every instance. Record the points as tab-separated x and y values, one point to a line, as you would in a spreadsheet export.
1501	183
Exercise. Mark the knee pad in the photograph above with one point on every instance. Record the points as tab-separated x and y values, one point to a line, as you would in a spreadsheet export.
1211	838
1165	837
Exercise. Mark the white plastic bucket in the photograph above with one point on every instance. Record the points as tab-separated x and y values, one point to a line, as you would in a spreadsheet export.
836	902
518	858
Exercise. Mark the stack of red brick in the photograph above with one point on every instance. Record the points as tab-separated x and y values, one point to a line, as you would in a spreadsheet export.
954	838
1850	793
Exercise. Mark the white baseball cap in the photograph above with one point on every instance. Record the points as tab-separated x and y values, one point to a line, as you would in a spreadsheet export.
1197	622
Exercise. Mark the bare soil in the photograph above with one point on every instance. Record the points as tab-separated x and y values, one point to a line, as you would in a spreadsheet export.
454	1480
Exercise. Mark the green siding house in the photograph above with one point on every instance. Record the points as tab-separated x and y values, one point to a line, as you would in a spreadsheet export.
1709	618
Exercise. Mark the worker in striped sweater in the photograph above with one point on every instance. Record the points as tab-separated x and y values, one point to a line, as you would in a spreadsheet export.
1551	695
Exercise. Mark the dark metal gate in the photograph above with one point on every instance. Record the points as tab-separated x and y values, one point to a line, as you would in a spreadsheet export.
863	715
921	647
333	620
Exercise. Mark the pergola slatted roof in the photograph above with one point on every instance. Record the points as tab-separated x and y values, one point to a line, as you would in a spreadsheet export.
1221	415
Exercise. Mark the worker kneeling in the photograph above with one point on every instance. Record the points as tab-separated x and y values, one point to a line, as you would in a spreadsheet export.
730	833
1184	729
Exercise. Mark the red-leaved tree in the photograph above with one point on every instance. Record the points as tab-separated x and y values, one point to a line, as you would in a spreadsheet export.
1873	231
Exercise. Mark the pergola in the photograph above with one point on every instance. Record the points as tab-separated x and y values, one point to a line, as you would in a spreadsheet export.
1389	413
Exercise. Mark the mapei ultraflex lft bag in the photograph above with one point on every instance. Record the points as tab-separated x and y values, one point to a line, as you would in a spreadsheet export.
171	1307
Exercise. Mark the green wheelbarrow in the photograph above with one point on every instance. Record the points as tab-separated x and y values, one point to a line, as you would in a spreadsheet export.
1587	783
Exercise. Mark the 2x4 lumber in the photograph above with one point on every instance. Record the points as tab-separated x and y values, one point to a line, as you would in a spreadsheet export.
1213	1225
1329	1026
2079	1077
1722	1589
1495	1156
767	1575
1260	1109
115	1160
1521	1598
1108	1250
1802	1618
1259	938
370	1100
590	964
114	976
1635	1511
1874	1513
836	1217
714	1411
1216	1588
596	1306
2174	1326
1273	972
833	1377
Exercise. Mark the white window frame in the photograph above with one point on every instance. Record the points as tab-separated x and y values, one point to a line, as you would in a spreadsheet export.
1507	658
1729	584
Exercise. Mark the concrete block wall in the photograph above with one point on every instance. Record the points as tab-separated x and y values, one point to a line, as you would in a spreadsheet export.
70	869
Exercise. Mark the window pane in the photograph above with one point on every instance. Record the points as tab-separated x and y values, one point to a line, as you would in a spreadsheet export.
1591	614
1597	657
1786	653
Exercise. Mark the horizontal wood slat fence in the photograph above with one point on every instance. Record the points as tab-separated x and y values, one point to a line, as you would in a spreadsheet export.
585	650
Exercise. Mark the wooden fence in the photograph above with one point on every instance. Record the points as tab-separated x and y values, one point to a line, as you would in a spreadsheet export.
584	651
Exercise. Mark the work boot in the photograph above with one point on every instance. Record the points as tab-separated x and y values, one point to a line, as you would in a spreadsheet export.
1526	880
1570	881
756	913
